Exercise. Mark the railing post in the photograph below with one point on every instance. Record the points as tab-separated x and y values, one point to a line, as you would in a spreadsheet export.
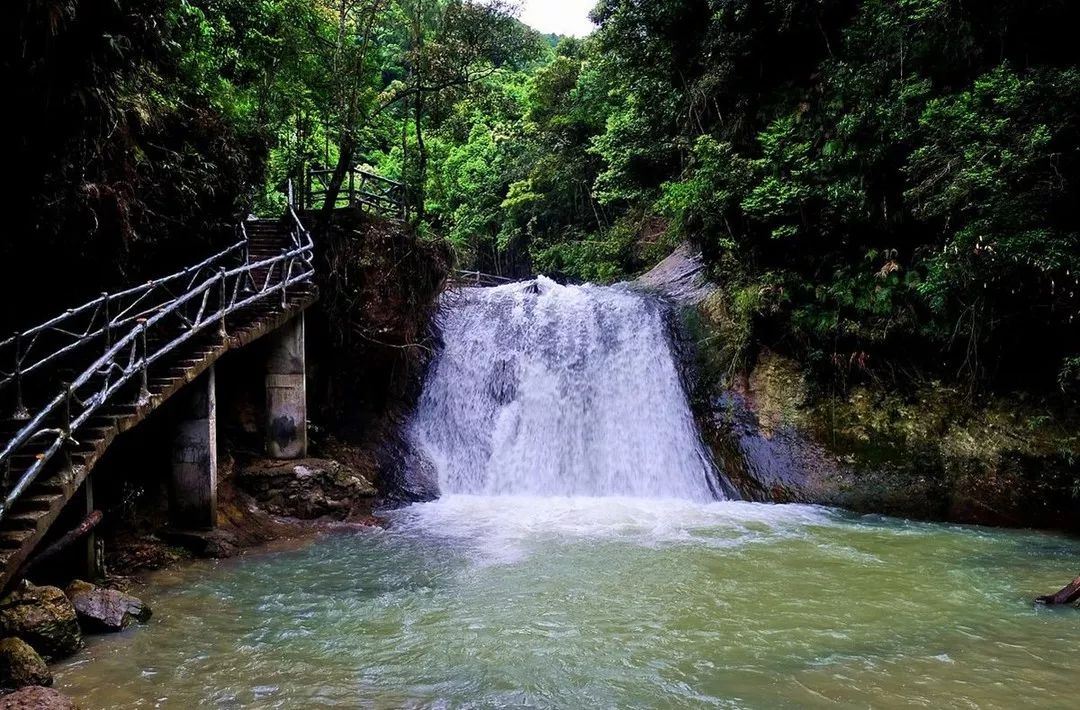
352	187
224	303
65	425
144	378
21	413
108	320
286	267
247	282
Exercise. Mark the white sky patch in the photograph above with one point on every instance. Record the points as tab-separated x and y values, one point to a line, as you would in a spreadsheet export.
565	17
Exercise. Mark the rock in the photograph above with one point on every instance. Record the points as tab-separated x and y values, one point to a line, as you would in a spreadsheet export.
44	618
37	698
406	475
102	609
681	277
20	665
215	544
307	489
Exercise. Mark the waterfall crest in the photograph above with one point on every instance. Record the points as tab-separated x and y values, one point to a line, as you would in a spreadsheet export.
551	390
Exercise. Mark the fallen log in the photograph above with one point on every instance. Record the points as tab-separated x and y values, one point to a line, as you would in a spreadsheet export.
69	538
1068	595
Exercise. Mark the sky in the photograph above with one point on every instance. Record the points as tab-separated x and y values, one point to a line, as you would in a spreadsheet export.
565	17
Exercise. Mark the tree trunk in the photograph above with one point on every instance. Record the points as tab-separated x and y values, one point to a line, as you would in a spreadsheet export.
422	157
64	542
341	170
1068	595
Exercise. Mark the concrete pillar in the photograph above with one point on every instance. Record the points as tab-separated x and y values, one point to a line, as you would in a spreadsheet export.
193	489
286	393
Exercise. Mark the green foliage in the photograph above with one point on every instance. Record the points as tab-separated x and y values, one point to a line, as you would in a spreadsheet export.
881	182
708	201
907	184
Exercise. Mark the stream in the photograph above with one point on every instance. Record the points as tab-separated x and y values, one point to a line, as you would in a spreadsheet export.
584	555
588	602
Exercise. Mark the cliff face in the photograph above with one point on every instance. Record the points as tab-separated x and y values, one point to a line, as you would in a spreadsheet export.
370	340
933	452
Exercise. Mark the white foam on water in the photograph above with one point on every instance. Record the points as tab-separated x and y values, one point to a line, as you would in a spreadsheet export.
550	390
502	529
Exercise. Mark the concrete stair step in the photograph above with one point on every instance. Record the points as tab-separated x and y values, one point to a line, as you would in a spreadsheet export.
36	502
14	539
102	421
47	488
21	462
23	521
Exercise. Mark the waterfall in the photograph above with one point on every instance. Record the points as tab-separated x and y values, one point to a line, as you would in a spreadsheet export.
551	390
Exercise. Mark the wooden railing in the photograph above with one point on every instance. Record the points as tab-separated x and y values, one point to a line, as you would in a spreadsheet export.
109	343
478	278
360	188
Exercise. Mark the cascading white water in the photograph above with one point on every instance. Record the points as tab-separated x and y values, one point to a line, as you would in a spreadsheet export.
553	390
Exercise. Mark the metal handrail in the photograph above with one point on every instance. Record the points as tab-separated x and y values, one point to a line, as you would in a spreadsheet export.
206	301
99	318
362	188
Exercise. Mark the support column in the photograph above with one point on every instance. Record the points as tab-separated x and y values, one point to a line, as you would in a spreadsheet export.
286	393
193	489
91	562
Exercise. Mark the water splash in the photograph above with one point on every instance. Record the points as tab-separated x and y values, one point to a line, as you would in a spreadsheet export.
553	390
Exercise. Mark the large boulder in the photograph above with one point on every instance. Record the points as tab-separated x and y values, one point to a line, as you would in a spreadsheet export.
20	665
44	618
406	475
682	277
308	489
101	609
37	698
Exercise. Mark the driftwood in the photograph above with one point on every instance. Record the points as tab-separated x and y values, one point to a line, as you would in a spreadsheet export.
1068	595
63	543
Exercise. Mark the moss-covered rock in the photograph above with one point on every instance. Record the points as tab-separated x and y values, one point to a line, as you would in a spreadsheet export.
20	665
936	453
43	617
933	451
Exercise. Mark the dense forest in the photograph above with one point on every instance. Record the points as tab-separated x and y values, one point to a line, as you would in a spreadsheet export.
884	188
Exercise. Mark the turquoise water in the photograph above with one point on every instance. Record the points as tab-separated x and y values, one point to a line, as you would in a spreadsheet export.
606	602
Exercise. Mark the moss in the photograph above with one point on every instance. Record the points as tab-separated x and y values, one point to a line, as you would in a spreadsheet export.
20	665
870	423
934	451
44	618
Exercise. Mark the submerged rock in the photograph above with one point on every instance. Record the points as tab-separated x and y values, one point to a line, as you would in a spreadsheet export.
215	544
37	698
101	609
307	489
20	665
44	618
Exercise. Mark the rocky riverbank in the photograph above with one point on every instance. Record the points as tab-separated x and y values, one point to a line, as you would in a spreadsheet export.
260	501
934	452
44	624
